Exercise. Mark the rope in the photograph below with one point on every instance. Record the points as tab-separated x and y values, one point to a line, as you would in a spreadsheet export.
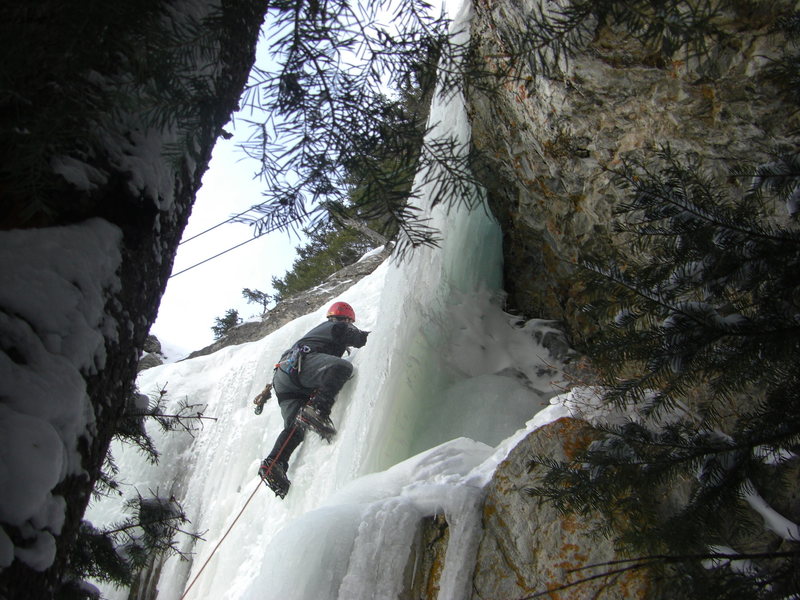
210	556
222	539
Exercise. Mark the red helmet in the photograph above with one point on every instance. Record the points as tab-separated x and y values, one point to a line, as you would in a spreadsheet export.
342	309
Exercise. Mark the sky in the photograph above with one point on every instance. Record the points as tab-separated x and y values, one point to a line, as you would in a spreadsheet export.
195	298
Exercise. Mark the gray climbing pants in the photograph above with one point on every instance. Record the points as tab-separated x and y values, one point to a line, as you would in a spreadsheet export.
321	372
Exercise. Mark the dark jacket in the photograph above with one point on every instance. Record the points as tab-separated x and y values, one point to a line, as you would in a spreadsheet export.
333	337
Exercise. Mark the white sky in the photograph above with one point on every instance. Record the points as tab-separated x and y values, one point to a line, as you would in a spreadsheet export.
194	298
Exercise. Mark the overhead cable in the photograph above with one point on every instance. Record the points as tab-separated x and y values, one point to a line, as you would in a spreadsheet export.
219	224
263	233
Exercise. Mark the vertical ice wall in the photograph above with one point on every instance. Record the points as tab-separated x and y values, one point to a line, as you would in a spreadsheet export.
423	299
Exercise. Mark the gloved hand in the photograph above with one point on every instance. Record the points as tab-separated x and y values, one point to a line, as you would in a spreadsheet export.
354	337
262	398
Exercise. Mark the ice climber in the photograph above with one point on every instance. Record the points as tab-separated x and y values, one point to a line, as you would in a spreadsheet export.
306	381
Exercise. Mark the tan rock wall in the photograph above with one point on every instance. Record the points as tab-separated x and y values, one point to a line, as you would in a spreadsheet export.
426	560
528	547
549	142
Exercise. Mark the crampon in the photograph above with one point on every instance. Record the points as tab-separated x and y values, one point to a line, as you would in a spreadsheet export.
311	418
274	475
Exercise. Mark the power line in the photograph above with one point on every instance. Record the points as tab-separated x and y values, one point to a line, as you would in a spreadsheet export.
209	229
220	224
217	255
263	233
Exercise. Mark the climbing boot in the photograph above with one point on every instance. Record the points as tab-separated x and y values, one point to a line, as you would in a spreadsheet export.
274	475
313	418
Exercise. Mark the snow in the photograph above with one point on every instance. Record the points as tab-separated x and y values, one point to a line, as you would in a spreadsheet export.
371	253
172	352
54	284
773	521
746	567
80	174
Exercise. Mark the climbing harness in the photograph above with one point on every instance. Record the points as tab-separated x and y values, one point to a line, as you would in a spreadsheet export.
292	363
230	527
294	359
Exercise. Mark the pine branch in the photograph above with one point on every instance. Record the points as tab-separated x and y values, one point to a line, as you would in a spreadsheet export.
643	562
703	317
681	190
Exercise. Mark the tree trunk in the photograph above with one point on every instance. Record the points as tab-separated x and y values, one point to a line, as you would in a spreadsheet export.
151	223
362	227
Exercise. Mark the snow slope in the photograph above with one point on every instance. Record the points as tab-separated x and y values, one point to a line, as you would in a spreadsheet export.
53	287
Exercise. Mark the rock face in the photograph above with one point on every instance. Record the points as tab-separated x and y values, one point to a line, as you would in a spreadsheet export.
152	345
299	305
148	361
152	354
551	142
426	561
528	547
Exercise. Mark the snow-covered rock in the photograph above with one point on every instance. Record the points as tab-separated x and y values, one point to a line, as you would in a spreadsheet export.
527	546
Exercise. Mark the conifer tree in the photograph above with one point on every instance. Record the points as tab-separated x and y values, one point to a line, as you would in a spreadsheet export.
116	553
700	340
329	249
98	102
258	297
224	324
186	417
328	116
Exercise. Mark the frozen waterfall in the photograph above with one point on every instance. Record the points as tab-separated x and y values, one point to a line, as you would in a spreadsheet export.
440	394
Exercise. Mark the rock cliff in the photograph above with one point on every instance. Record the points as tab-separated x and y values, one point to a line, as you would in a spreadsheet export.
528	547
550	142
